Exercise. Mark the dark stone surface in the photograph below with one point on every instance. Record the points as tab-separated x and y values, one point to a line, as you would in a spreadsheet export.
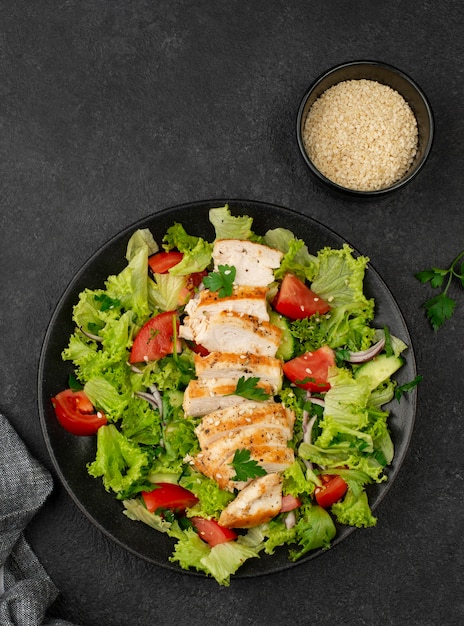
110	111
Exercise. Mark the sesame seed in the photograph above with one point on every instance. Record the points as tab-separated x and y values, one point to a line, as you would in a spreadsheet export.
361	134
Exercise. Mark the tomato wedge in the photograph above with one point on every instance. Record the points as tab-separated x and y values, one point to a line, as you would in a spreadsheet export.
212	532
76	413
193	281
333	489
155	339
296	300
197	348
289	503
168	496
310	370
161	262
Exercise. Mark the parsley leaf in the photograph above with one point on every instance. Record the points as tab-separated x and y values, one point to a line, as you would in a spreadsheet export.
388	344
441	307
73	383
107	303
341	355
407	387
248	388
245	467
221	281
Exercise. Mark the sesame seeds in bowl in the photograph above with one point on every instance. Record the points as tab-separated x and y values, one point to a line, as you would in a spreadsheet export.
364	128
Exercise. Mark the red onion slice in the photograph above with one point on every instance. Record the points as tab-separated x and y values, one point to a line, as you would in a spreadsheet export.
367	355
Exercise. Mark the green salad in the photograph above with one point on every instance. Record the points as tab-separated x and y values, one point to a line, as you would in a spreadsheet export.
135	405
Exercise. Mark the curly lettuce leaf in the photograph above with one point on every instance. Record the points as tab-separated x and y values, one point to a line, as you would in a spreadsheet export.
314	529
196	251
220	562
212	499
295	481
339	276
354	510
297	260
122	464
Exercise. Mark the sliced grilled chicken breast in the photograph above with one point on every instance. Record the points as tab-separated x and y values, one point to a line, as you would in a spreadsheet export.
256	504
244	300
215	461
226	364
254	263
246	416
230	332
208	395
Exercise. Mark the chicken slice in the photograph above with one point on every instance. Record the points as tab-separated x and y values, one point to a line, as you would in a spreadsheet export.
253	436
221	364
254	263
256	504
244	300
205	396
267	415
230	332
215	461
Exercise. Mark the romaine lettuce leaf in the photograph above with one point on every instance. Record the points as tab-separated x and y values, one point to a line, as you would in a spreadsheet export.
228	226
314	529
141	239
130	287
164	291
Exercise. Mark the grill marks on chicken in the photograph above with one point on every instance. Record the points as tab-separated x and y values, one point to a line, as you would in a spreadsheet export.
242	343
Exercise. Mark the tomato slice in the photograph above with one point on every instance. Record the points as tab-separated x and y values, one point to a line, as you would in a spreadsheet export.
76	413
155	339
289	503
192	282
212	532
161	262
168	496
310	370
197	348
333	489
297	301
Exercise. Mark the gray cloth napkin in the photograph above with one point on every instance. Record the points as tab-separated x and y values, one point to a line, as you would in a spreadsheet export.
26	590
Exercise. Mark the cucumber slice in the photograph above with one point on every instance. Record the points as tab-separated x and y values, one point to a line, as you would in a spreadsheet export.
287	343
379	369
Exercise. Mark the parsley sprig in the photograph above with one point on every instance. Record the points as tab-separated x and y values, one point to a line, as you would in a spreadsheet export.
407	387
245	467
248	388
221	281
441	307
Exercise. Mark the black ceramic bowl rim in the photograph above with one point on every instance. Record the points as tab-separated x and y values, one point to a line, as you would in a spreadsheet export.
387	75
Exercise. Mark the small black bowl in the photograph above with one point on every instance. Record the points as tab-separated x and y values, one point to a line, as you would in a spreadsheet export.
386	75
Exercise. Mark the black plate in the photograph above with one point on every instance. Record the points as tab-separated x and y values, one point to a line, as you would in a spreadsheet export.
70	454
